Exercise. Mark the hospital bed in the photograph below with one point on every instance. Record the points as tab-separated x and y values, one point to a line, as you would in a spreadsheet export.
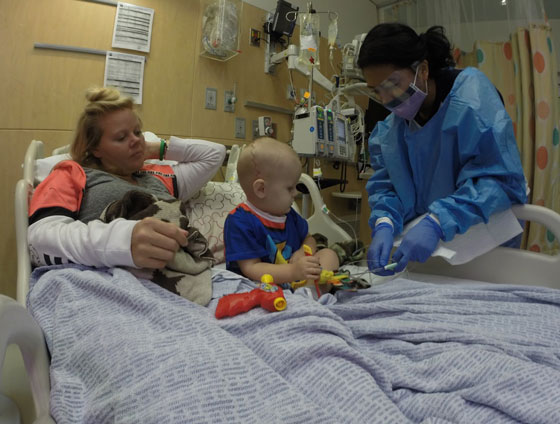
405	350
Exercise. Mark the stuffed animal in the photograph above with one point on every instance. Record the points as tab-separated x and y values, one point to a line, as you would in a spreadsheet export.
188	274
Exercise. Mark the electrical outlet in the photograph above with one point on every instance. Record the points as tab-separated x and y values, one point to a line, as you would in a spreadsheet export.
211	98
239	127
255	39
229	101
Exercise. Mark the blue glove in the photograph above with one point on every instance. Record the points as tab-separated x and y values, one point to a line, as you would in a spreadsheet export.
418	244
380	248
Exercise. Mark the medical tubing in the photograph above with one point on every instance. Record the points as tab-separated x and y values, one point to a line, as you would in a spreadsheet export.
327	211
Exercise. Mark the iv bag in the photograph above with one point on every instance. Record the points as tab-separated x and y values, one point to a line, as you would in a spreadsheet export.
309	39
333	29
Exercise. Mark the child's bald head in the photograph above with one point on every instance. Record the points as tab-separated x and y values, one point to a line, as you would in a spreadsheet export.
265	158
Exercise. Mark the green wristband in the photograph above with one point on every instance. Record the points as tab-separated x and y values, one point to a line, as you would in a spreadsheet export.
162	149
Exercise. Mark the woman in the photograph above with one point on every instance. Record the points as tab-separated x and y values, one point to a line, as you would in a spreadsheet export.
447	149
108	155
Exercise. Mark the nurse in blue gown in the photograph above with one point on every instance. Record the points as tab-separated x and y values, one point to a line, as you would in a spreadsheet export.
447	150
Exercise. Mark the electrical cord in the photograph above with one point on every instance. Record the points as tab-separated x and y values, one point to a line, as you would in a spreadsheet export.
342	184
357	249
292	86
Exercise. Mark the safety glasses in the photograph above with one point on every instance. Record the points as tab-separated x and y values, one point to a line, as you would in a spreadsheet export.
390	92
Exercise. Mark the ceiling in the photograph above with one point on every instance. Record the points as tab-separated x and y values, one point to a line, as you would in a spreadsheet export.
381	3
552	7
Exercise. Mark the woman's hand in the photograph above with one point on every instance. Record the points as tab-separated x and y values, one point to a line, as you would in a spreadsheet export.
154	242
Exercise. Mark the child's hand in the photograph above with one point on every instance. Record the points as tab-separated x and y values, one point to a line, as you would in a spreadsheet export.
307	268
297	255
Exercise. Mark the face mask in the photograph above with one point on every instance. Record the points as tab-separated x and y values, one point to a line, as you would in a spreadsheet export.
409	107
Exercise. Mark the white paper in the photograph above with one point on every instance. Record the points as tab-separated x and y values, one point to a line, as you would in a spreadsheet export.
478	239
125	72
133	27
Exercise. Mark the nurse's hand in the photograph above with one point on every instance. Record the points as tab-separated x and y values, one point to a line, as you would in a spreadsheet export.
380	248
154	242
418	244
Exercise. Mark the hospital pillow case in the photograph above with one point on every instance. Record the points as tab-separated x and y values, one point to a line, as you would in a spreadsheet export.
208	210
44	166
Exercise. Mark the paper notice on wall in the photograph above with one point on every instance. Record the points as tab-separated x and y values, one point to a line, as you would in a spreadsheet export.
133	27
125	72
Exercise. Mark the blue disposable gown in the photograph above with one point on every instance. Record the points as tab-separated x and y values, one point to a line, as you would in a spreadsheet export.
462	166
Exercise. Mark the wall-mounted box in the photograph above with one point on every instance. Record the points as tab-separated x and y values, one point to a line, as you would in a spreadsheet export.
221	23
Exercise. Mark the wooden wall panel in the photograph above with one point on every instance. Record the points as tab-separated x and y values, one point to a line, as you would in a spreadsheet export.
169	71
46	87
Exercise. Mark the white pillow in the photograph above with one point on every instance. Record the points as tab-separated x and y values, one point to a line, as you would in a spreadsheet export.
44	166
150	136
208	210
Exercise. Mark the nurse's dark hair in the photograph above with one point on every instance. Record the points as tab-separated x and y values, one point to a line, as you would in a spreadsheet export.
399	45
101	101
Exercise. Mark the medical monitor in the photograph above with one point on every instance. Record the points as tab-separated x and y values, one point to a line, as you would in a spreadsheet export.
284	19
341	130
342	149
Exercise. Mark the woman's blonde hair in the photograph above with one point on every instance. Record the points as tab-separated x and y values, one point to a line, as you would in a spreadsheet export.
101	101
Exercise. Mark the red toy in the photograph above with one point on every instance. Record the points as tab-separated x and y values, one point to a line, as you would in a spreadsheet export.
268	296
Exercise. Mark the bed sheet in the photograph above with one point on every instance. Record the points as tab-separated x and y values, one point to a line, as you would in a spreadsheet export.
124	350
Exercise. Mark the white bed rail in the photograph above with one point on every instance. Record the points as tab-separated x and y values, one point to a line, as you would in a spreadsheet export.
504	264
18	327
23	259
24	189
320	222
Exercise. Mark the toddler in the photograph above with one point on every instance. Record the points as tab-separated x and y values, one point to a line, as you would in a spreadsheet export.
265	235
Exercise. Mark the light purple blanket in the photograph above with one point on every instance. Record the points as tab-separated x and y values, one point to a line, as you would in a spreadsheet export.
125	351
